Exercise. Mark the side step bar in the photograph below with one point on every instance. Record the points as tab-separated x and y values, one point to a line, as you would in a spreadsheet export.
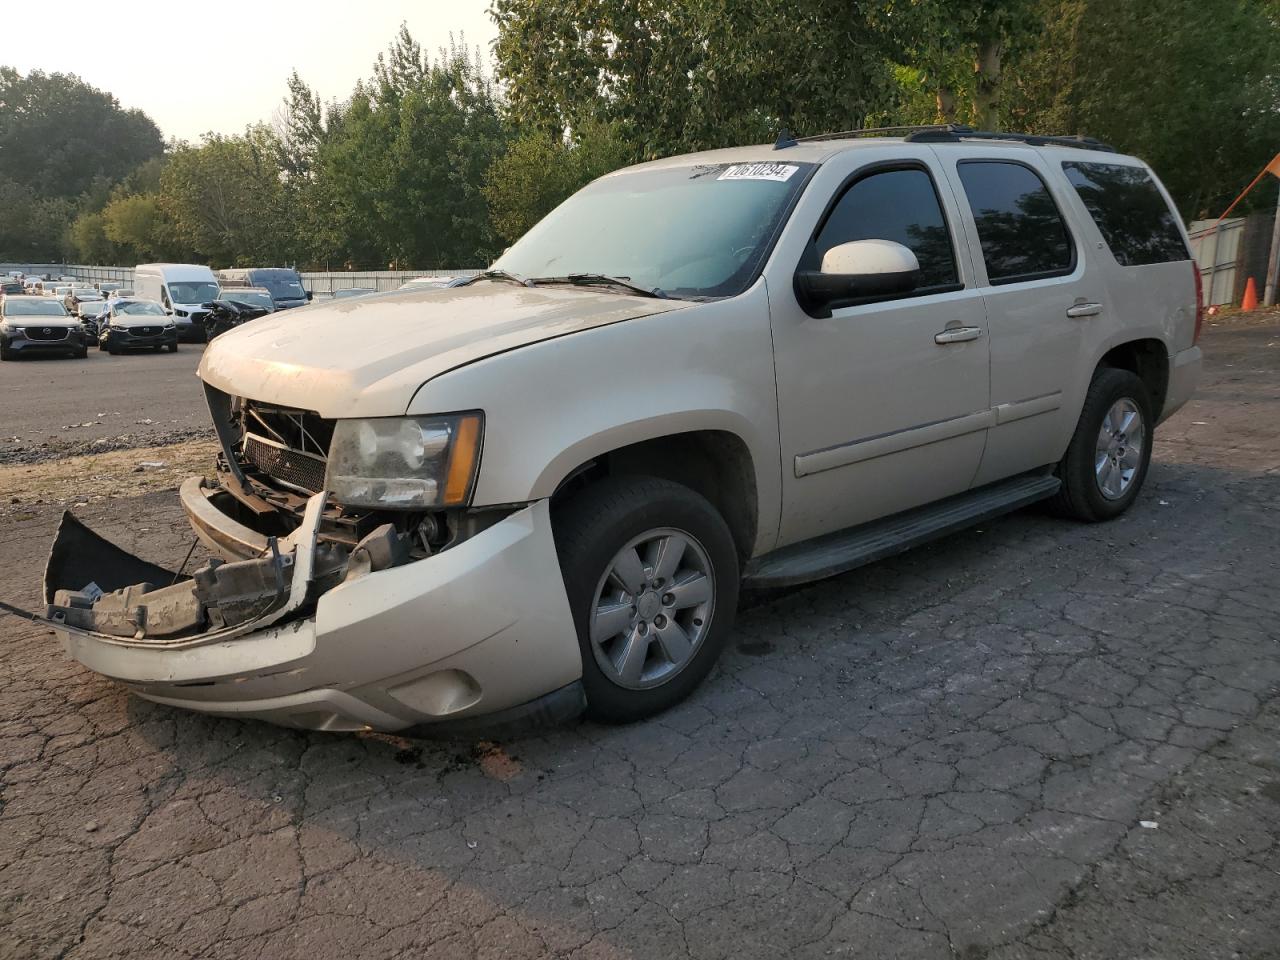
834	553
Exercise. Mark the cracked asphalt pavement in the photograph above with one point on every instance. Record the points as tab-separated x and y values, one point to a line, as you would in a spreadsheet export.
1033	739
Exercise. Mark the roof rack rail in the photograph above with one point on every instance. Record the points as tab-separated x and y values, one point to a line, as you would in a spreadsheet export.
955	132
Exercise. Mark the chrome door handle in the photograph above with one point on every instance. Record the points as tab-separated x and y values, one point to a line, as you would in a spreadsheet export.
957	335
1082	310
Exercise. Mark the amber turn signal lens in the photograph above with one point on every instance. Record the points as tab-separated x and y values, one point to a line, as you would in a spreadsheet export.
462	462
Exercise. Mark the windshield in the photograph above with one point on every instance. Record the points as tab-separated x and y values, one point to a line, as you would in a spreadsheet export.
192	291
687	231
140	308
34	308
283	284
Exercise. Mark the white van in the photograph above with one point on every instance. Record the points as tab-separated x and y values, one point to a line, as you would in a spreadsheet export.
182	289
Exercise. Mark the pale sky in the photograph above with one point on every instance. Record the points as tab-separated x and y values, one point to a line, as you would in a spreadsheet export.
195	67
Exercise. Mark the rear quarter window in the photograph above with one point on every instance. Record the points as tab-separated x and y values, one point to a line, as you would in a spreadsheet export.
1130	212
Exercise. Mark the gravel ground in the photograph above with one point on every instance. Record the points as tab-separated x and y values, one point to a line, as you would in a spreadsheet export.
1033	739
56	407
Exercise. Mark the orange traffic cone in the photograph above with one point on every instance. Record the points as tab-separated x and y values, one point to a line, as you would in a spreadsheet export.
1250	301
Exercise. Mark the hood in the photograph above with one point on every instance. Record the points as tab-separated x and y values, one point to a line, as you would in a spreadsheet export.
368	356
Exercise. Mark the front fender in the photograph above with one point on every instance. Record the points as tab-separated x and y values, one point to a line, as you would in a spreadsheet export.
552	406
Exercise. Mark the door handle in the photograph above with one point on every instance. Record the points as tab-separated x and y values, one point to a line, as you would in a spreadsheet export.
1082	310
957	335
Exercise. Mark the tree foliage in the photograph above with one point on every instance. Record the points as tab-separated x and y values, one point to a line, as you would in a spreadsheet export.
1191	87
432	162
60	136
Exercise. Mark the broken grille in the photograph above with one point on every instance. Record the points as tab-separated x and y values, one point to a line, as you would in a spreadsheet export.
291	446
288	466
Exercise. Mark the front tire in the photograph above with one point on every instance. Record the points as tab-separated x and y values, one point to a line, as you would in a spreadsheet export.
651	572
1107	461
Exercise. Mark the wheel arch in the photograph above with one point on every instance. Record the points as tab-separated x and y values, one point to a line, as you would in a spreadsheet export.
1148	359
714	462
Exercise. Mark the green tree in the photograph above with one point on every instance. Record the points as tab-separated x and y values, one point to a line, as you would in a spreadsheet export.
58	135
225	199
1190	87
696	73
954	52
539	171
400	167
137	226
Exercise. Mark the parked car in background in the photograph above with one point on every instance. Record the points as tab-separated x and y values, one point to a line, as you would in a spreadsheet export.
12	288
256	298
183	289
90	312
347	293
228	313
63	293
105	287
79	295
125	292
134	324
283	283
39	325
431	283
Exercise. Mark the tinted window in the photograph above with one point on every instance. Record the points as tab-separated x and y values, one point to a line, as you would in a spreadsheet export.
1130	211
1020	228
898	205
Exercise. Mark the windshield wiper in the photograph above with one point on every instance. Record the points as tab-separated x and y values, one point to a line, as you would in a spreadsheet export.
601	280
499	275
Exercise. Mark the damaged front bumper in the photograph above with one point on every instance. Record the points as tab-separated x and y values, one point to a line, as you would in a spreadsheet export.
295	632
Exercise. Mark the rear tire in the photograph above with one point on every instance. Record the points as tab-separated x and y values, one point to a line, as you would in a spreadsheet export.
651	573
1107	460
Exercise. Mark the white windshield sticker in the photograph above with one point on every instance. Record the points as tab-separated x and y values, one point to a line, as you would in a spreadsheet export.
781	172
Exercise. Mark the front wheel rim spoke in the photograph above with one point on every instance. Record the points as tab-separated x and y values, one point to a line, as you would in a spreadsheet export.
628	571
670	553
610	620
630	664
691	591
676	644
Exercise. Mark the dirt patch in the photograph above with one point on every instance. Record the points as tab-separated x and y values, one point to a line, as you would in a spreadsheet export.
91	478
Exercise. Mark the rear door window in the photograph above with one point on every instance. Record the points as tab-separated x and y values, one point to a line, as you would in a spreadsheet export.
1130	211
898	205
1021	230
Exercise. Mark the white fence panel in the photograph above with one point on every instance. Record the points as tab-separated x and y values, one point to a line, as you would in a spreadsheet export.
1216	253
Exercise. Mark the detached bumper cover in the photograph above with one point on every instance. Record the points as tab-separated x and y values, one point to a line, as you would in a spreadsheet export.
481	628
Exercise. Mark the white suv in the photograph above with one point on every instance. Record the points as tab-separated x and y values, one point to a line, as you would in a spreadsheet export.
540	491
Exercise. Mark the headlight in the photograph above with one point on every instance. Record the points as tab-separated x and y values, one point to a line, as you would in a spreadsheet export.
18	331
405	463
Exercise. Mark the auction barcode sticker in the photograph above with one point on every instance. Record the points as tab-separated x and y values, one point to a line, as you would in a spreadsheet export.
780	172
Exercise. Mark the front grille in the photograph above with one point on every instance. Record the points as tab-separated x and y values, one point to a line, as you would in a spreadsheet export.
289	466
288	445
300	430
143	331
48	333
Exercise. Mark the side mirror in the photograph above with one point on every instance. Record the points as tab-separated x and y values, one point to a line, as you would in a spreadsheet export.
856	271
